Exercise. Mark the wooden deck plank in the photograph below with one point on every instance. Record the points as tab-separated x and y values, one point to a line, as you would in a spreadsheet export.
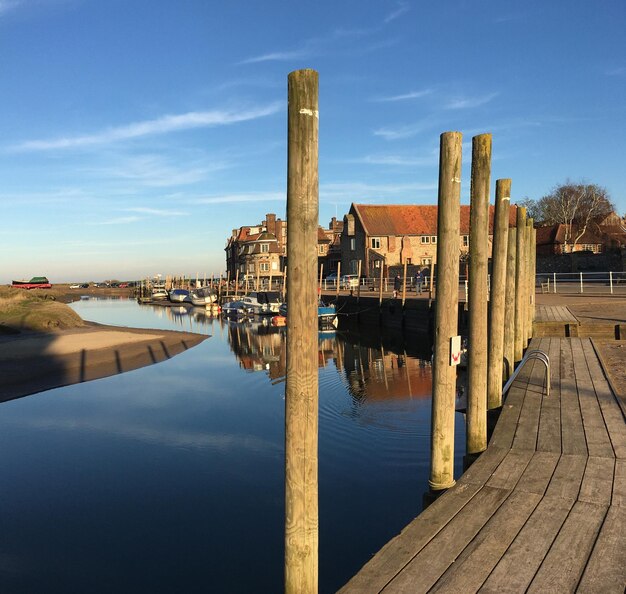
504	432
596	434
567	477
510	470
549	436
597	485
538	473
572	432
475	563
606	569
619	484
434	559
480	471
395	555
611	410
564	564
518	565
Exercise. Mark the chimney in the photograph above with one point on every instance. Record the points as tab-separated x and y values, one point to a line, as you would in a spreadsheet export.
270	223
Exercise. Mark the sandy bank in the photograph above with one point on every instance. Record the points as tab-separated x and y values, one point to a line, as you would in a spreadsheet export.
31	363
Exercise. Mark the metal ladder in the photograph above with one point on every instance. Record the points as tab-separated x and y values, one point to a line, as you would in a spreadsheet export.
531	354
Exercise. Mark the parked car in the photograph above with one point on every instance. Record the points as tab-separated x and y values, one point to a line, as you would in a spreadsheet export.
75	286
349	281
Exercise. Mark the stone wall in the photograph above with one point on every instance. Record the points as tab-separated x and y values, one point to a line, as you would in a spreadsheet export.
613	260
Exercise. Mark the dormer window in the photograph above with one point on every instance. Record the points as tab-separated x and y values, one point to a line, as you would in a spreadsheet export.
265	248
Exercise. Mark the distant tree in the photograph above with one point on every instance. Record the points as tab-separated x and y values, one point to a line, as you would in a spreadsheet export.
532	208
577	206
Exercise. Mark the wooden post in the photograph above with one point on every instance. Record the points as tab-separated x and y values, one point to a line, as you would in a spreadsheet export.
478	295
358	286
236	282
301	391
530	280
285	284
380	288
446	314
319	290
519	284
338	279
498	293
533	268
404	283
509	305
258	273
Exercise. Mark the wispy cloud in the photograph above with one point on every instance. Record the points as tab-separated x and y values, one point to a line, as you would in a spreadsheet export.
233	198
314	46
399	160
405	131
402	7
117	221
362	192
621	71
156	171
469	102
404	96
162	125
158	212
7	5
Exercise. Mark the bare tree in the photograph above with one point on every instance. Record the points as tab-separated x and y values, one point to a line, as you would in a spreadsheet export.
577	206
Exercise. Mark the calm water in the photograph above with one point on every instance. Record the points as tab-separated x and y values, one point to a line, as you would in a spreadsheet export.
170	478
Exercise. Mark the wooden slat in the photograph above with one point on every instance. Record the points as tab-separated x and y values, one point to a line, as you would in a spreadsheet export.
476	562
606	570
611	410
567	477
549	436
598	442
619	484
510	470
480	471
435	558
504	432
395	555
565	562
519	564
572	433
597	485
538	473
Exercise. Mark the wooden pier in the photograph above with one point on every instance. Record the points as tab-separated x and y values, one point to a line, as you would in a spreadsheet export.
543	509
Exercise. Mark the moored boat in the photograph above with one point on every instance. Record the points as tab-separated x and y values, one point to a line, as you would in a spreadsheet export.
37	282
326	316
203	296
179	295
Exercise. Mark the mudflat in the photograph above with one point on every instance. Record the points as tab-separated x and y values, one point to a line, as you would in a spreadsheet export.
32	362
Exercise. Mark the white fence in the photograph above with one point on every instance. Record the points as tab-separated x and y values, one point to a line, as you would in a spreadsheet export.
593	283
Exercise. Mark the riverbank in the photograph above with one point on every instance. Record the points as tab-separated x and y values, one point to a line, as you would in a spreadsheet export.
45	344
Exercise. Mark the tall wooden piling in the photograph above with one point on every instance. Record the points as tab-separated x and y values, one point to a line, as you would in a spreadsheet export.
478	295
530	279
509	305
404	283
301	391
533	271
338	280
446	314
498	293
519	284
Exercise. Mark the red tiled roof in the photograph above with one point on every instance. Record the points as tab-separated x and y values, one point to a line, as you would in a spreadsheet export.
412	219
555	234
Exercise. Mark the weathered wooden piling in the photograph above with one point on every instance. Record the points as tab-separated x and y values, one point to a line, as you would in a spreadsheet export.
404	283
301	391
446	314
509	305
519	284
530	279
498	293
478	295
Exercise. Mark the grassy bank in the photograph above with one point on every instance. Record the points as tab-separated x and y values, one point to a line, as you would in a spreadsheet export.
35	310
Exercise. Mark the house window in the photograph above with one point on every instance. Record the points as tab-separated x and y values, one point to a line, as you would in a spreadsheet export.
274	265
425	261
251	268
465	240
408	261
425	239
264	266
352	244
376	243
320	250
433	239
376	263
265	248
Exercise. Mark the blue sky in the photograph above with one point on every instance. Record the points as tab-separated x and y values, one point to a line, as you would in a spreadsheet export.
136	134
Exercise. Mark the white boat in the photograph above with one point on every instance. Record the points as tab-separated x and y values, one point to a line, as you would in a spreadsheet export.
263	302
239	307
203	296
158	294
179	295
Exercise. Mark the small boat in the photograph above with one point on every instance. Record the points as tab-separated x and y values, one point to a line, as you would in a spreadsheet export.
326	316
263	302
37	282
179	295
158	294
239	307
203	296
